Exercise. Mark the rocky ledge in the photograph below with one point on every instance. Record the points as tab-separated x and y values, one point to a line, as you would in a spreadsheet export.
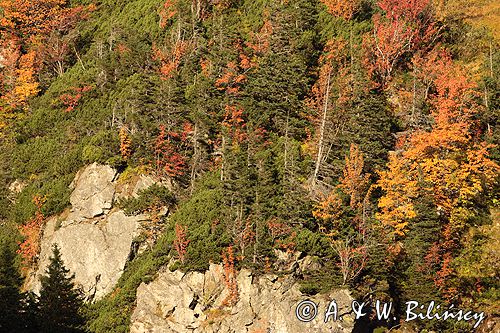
194	302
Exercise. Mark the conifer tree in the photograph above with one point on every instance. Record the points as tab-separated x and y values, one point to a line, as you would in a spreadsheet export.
10	296
60	301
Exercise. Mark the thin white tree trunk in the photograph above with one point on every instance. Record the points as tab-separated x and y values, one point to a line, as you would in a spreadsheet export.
322	131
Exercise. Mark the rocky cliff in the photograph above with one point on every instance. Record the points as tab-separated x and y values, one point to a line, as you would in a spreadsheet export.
95	238
194	302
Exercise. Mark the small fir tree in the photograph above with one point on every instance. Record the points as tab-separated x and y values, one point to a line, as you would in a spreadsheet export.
59	302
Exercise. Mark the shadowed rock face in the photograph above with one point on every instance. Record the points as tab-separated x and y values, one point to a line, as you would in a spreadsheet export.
193	302
95	239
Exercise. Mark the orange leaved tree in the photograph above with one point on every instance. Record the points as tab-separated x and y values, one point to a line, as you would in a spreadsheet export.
342	8
32	34
448	164
405	27
181	242
168	161
29	248
230	276
125	143
343	221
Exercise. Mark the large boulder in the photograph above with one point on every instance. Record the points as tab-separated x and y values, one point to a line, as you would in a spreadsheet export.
194	302
95	239
93	191
95	252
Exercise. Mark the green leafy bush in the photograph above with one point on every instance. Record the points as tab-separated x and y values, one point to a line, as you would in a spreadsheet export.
154	196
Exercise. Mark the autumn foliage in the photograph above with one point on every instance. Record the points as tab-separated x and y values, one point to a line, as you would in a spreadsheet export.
232	79
32	232
23	83
167	12
282	234
260	41
181	241
355	182
230	276
235	123
168	160
396	206
449	159
447	163
349	241
32	38
27	18
19	80
352	258
341	8
125	143
343	130
243	234
405	27
71	100
170	59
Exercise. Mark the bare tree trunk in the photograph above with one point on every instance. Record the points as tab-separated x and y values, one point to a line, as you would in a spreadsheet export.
59	68
322	132
79	59
195	156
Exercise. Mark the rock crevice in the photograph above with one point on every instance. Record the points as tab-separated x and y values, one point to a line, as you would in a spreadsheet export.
177	303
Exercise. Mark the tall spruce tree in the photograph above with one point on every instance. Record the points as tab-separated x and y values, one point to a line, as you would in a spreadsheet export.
10	296
60	301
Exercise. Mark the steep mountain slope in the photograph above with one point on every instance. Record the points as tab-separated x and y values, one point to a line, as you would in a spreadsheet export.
359	133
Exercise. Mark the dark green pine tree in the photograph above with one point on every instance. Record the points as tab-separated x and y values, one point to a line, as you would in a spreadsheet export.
10	296
60	302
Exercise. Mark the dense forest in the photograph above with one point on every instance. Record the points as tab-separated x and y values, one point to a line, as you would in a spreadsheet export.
362	132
